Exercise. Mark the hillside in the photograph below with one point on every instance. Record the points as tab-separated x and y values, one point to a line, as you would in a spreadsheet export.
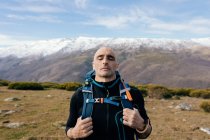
42	116
172	63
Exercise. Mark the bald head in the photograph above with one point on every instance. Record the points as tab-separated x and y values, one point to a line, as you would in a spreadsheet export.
104	51
104	64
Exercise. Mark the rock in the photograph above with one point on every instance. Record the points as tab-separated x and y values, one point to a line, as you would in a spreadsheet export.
11	99
207	130
184	106
14	125
7	112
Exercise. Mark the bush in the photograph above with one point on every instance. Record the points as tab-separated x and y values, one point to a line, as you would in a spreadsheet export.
61	86
196	93
49	85
25	86
205	106
159	92
205	95
200	93
4	82
181	92
71	86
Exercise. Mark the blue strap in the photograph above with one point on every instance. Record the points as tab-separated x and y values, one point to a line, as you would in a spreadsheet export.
125	102
87	107
105	100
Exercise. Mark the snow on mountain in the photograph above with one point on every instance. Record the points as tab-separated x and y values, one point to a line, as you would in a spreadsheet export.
47	47
203	41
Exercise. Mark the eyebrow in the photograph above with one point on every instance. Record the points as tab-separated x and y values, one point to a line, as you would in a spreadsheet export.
109	55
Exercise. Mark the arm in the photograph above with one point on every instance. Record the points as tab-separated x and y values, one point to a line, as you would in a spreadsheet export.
82	129
76	127
133	119
137	118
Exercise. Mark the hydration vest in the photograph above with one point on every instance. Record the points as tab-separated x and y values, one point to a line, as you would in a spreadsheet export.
89	101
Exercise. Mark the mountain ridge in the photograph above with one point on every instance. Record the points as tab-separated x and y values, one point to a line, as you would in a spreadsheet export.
48	47
172	63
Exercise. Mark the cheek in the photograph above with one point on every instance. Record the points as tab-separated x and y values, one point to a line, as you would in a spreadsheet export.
115	66
95	66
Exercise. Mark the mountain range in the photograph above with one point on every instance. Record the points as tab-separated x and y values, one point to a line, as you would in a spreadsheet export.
168	62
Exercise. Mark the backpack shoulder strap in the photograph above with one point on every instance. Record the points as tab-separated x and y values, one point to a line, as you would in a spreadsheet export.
87	96
126	99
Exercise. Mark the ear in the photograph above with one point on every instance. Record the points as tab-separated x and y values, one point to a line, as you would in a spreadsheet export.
93	65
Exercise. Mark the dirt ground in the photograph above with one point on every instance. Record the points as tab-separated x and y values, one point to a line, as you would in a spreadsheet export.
42	115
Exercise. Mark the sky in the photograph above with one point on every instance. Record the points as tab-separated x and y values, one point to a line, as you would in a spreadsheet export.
23	20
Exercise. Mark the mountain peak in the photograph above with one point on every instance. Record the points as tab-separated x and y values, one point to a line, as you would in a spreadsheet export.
47	47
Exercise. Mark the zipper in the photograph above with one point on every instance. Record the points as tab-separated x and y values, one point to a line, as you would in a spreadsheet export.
107	113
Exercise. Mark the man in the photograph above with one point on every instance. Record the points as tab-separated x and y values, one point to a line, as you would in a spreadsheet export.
108	121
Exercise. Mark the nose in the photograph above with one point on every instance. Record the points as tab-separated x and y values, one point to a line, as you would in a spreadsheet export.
105	61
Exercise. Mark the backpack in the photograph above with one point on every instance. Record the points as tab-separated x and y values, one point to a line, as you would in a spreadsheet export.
89	101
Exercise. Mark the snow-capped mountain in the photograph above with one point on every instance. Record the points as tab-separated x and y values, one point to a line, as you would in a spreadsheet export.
169	62
48	47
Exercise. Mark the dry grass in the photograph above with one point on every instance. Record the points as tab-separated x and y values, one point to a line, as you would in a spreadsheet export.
39	111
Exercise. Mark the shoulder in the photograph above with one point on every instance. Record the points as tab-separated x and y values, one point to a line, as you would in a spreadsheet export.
78	93
134	90
136	94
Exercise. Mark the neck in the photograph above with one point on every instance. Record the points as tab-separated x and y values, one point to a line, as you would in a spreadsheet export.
105	79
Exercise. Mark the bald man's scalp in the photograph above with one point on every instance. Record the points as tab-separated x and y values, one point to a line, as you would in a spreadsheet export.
104	51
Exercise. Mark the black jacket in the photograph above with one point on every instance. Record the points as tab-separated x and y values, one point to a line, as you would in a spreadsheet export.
103	115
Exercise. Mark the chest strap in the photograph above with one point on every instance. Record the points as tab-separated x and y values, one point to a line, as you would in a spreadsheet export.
88	100
109	100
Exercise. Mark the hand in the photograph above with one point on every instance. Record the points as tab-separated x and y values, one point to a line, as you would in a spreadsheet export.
133	119
82	129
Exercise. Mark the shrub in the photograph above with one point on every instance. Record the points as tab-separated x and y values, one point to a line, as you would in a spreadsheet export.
181	92
61	86
205	106
4	82
25	86
49	85
71	86
196	93
159	92
167	95
206	94
200	93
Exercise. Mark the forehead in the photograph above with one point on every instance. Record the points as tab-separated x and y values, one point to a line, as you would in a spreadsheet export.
104	51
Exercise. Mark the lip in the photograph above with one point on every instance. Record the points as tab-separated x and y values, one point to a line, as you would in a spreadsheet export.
105	69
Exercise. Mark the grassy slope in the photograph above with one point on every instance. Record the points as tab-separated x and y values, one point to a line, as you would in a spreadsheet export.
39	112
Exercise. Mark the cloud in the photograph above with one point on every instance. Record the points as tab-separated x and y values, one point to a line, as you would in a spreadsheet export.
6	40
80	3
198	26
39	18
35	6
112	21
